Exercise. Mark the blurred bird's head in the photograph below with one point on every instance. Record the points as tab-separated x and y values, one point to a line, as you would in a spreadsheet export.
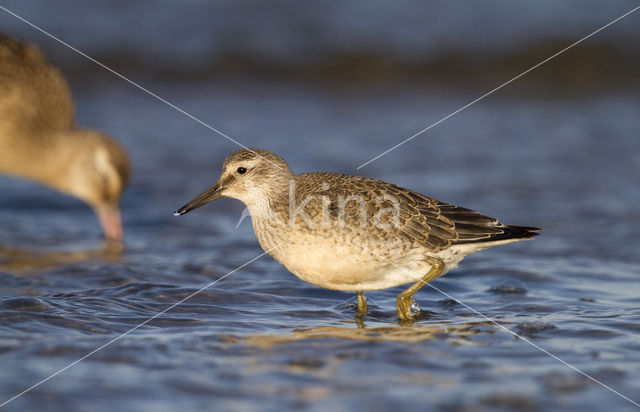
97	172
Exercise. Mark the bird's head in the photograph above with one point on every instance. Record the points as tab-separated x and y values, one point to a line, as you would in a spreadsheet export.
97	173
249	175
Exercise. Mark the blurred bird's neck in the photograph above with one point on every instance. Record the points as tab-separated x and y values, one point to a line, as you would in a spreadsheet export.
44	158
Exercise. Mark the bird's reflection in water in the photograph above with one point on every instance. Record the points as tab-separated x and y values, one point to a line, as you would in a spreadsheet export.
25	261
458	333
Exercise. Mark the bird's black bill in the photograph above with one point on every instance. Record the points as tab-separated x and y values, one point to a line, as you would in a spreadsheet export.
212	193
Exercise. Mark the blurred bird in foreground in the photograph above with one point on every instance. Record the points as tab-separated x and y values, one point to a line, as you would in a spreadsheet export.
352	233
40	142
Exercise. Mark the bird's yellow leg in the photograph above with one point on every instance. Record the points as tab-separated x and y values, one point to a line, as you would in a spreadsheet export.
405	299
362	304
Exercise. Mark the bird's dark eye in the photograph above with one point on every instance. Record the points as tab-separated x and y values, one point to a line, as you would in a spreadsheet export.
242	170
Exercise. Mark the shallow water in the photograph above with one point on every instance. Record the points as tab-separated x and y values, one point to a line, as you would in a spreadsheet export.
262	339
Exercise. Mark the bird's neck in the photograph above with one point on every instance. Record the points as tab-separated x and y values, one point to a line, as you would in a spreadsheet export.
41	158
270	205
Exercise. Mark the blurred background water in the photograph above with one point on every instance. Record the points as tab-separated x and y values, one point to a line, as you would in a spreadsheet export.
329	85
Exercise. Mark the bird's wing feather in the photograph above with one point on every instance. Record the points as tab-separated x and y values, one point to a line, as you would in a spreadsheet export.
431	223
419	219
473	227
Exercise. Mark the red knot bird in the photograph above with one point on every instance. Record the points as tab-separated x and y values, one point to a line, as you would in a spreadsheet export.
352	233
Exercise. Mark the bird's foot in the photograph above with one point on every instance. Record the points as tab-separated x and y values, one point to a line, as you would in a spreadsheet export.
408	308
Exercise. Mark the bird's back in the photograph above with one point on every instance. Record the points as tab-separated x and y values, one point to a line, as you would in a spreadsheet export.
373	210
35	95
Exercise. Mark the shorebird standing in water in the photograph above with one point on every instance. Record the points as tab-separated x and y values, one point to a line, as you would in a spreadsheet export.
39	141
352	233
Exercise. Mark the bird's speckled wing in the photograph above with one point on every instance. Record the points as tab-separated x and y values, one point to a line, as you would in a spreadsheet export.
418	218
431	223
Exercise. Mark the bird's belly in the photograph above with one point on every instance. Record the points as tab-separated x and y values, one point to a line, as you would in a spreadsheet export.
332	266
